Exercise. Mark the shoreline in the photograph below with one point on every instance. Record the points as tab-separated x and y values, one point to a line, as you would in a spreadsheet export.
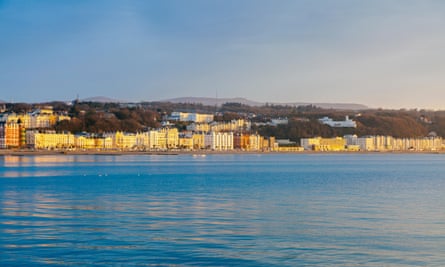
10	152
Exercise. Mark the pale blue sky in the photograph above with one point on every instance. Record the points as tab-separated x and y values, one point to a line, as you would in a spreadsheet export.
388	53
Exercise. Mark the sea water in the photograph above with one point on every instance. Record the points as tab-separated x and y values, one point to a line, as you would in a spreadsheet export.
223	210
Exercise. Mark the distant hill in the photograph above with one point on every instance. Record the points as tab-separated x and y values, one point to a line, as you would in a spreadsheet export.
209	101
213	101
341	106
102	99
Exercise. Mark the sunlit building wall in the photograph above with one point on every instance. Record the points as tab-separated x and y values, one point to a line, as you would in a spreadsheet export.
309	143
13	134
186	142
103	143
241	141
49	140
172	136
239	125
143	140
125	140
195	117
155	140
220	141
324	144
199	127
351	139
198	141
366	143
43	118
332	144
85	142
255	142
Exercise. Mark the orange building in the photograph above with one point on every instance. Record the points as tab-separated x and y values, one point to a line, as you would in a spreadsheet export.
241	141
14	135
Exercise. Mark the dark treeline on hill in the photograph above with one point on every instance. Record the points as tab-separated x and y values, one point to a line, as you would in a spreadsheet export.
95	117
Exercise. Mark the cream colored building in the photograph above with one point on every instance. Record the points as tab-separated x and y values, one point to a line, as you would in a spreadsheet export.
143	140
50	140
239	125
389	143
366	143
221	141
199	127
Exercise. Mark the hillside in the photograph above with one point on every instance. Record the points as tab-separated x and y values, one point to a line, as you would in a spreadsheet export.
96	117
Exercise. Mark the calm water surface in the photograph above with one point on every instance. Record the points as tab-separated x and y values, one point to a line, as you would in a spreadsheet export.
223	210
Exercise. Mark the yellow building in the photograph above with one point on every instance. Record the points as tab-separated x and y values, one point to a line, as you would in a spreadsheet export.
324	144
49	140
310	143
103	143
255	142
125	141
156	140
332	144
239	125
143	140
171	136
43	118
289	149
85	142
272	144
186	142
198	141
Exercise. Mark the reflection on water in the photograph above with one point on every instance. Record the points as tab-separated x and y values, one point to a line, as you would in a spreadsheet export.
223	210
52	160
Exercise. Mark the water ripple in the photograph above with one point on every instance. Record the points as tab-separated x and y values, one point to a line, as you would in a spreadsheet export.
223	210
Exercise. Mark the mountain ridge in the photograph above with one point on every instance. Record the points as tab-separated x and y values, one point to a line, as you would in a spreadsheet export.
102	99
219	101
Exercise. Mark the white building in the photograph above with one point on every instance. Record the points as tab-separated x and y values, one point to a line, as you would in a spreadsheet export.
279	121
346	123
219	141
351	139
194	117
366	143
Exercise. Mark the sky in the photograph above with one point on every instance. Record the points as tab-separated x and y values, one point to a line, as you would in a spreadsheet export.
381	53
